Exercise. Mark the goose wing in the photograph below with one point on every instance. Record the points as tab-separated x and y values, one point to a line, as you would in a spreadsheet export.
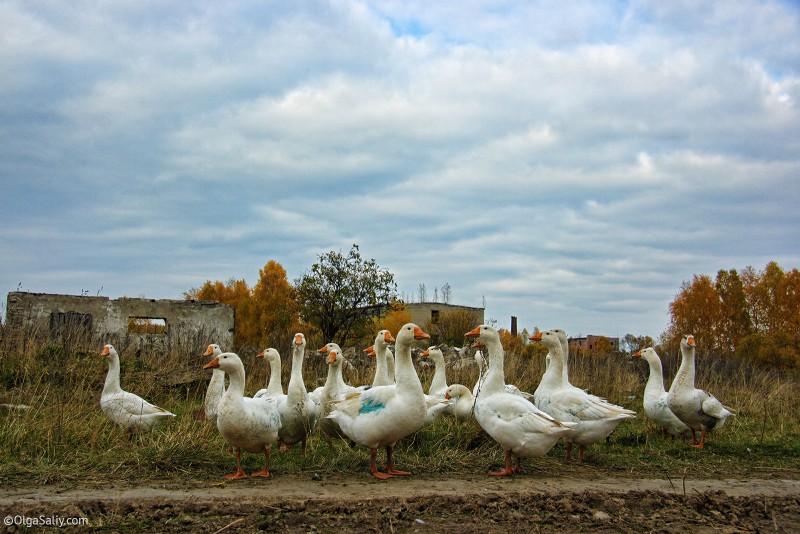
369	400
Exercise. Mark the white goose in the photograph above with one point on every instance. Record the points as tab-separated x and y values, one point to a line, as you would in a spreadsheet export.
596	418
216	386
439	381
123	408
379	350
522	429
380	416
464	401
438	387
245	423
699	409
341	385
655	397
435	405
274	385
298	411
330	394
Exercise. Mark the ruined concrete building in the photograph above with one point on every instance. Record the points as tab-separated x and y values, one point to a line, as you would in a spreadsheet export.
422	312
132	323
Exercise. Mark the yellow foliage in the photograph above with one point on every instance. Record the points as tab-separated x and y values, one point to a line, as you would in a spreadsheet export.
266	315
395	319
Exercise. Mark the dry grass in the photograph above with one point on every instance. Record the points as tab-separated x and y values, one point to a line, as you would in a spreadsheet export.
63	436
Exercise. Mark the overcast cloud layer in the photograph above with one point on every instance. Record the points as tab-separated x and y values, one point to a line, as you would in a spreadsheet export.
572	163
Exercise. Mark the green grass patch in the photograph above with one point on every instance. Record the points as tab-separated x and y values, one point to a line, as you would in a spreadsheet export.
63	437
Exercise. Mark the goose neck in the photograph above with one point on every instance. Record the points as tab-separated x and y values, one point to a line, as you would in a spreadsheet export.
655	382
217	376
404	373
235	382
439	381
112	384
553	375
296	384
687	364
381	366
338	378
494	379
274	385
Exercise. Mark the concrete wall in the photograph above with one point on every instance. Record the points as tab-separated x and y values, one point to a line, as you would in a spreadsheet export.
589	342
91	322
421	312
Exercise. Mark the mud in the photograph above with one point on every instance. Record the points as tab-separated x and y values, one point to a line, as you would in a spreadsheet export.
464	504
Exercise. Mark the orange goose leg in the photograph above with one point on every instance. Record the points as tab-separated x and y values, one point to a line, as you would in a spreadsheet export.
508	470
373	467
264	472
390	463
239	471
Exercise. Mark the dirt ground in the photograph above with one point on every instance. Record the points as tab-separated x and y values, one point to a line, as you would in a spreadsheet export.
467	503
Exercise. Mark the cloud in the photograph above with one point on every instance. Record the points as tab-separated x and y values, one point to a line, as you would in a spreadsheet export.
569	164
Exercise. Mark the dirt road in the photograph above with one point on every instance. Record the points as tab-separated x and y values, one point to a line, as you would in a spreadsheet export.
466	504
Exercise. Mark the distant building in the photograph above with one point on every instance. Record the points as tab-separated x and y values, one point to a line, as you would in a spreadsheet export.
140	323
589	343
422	312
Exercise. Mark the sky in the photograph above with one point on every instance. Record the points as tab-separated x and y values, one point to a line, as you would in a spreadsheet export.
568	163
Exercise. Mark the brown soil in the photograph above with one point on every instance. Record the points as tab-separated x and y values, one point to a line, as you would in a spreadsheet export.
421	503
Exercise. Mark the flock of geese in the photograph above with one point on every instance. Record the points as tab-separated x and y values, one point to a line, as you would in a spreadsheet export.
394	406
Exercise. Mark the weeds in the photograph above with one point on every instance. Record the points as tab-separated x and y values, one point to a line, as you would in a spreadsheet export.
63	435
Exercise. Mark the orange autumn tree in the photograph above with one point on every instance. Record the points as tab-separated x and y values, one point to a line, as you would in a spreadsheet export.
272	316
266	315
696	310
754	316
397	316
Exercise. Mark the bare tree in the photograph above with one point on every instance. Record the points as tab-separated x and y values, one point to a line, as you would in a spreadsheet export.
447	294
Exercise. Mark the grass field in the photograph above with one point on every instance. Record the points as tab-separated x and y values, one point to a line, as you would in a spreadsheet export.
63	436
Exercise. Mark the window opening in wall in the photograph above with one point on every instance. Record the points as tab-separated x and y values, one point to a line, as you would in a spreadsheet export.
70	324
147	325
434	316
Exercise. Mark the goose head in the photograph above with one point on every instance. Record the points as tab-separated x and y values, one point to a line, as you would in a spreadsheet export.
455	391
434	353
483	333
687	346
334	357
227	361
647	354
271	355
327	347
562	335
409	332
299	340
213	350
383	339
108	351
549	338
